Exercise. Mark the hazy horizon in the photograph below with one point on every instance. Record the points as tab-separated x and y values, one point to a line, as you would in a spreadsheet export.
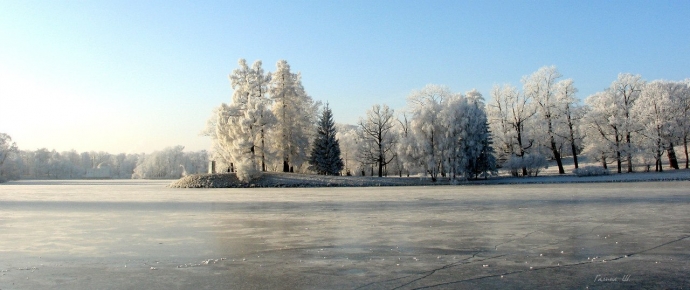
132	77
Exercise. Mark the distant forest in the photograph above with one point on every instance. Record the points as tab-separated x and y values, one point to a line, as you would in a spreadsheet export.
44	164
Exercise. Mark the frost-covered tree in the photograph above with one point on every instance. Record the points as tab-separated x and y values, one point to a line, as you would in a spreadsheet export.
295	112
163	164
221	145
510	113
169	163
263	117
477	145
239	130
8	151
377	138
681	99
604	136
347	136
7	147
51	164
241	134
654	110
325	153
529	164
541	86
454	115
269	122
678	123
626	90
445	134
406	149
571	113
426	129
610	121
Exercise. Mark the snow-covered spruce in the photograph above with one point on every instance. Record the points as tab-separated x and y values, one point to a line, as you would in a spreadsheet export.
325	154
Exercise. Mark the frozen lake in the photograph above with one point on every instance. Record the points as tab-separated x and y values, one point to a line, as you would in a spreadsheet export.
141	235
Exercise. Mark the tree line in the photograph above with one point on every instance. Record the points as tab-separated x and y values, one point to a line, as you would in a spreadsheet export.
636	122
439	134
446	134
42	163
630	122
272	124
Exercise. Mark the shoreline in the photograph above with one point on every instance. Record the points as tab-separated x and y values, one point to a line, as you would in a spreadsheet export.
289	180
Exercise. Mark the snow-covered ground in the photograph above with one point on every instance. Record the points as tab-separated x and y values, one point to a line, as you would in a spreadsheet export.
143	235
548	175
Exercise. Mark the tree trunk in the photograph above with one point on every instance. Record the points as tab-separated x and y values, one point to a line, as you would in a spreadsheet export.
627	140
572	137
554	149
380	169
263	152
618	152
559	162
286	142
603	162
685	146
672	159
574	149
381	158
522	150
557	156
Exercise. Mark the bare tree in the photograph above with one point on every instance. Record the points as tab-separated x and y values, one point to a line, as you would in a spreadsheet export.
377	138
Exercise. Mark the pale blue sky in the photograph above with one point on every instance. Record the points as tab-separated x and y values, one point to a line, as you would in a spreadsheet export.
138	76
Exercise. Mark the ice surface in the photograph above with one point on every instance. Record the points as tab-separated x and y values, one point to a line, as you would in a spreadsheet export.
140	234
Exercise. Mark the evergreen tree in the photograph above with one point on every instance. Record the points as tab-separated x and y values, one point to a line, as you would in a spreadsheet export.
485	164
479	153
325	153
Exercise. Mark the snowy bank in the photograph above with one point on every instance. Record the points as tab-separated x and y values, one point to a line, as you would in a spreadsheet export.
275	179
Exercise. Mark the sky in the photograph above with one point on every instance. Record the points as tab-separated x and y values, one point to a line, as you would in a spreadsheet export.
139	76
